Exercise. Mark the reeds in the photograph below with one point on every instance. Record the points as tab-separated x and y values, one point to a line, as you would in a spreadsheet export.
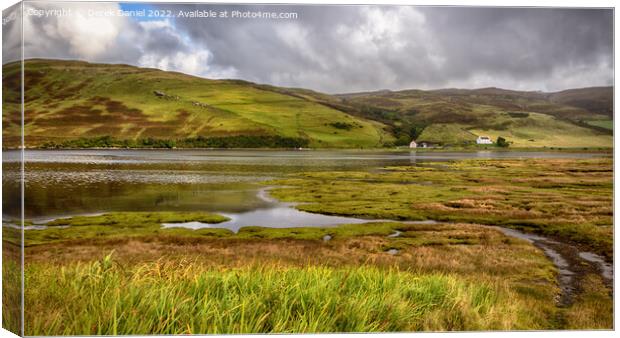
186	297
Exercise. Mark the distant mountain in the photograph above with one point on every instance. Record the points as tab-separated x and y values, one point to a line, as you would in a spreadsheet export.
576	117
597	100
80	104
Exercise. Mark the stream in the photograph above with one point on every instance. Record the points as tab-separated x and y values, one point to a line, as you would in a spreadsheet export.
572	264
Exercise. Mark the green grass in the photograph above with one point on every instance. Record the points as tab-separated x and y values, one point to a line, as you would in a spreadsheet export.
106	298
121	224
539	130
592	309
11	288
68	100
447	133
535	130
607	124
138	219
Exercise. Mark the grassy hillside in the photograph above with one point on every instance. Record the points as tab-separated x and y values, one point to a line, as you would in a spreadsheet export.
67	100
572	118
535	130
79	104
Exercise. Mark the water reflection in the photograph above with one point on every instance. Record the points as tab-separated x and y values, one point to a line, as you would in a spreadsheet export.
68	182
276	217
280	157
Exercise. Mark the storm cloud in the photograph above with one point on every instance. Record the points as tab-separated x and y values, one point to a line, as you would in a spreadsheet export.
339	49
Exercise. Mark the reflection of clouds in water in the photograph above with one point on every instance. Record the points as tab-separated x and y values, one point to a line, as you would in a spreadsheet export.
167	156
282	157
48	177
607	270
107	156
277	217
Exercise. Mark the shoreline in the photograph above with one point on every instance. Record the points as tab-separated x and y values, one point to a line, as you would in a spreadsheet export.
421	150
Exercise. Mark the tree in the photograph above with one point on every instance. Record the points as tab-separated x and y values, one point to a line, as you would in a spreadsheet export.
416	130
501	142
403	140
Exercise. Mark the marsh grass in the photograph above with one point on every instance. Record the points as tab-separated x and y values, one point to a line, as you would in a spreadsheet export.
447	276
566	198
122	224
105	297
520	278
593	309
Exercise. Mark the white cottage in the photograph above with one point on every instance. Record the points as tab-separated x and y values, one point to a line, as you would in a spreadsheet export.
413	144
484	140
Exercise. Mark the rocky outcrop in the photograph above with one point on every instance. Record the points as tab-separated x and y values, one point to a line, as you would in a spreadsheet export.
163	95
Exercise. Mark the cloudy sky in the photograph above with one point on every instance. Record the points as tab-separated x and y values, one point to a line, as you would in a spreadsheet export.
339	49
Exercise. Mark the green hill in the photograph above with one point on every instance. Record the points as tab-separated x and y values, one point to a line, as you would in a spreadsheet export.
572	118
80	104
71	103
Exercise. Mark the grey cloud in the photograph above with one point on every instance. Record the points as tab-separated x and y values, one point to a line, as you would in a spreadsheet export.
162	41
523	43
525	48
355	48
308	52
11	34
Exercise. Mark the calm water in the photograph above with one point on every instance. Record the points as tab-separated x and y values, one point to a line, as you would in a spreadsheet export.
68	182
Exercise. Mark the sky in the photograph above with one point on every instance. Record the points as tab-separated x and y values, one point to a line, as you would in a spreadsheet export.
336	49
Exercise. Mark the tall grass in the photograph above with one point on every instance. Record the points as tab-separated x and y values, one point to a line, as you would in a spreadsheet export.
165	298
11	294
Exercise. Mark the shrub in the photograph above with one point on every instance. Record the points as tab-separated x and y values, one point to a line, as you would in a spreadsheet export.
403	140
501	142
342	125
237	141
518	114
